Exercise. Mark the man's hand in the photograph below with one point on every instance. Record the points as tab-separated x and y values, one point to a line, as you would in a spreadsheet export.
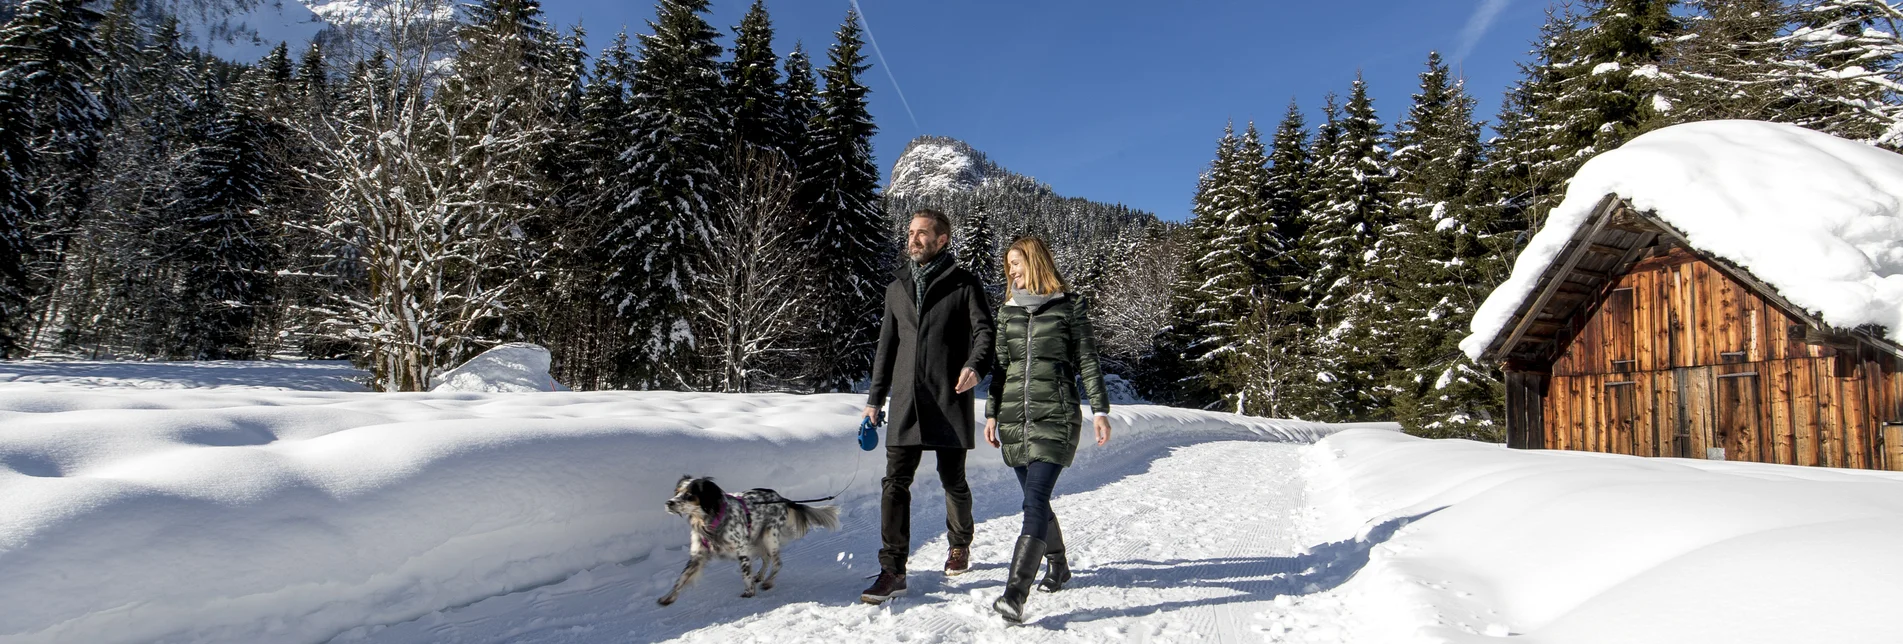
991	431
872	414
967	379
1102	425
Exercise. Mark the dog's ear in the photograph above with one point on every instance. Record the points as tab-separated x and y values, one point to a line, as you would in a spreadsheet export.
682	482
708	495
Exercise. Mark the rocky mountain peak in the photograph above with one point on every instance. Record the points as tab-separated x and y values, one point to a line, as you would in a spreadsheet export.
936	165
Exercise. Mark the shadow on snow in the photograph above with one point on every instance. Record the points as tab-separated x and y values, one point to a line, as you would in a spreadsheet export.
1321	569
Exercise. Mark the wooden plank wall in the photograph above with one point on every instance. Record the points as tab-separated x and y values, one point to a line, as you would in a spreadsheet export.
1676	359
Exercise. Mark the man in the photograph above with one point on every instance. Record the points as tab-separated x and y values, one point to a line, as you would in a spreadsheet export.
933	343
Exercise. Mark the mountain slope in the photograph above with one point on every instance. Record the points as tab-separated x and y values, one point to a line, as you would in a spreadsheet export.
957	179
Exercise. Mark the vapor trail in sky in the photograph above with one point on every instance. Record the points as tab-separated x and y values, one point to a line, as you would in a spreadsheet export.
1477	26
887	66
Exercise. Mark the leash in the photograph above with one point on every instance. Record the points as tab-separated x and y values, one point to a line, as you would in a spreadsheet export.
865	427
835	495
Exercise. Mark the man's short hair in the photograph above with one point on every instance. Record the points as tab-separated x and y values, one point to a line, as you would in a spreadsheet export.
939	219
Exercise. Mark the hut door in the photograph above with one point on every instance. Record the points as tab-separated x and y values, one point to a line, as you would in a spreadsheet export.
1693	438
1736	430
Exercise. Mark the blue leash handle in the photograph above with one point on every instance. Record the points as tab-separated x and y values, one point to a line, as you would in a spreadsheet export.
869	432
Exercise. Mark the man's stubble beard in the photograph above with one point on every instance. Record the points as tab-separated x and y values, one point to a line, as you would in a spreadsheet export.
919	255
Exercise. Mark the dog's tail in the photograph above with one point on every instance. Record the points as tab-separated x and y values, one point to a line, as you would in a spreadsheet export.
804	517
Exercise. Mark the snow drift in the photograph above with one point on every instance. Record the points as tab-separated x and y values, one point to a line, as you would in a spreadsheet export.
512	367
1816	217
1565	547
261	516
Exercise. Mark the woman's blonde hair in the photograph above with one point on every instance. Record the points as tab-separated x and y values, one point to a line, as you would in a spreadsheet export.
1040	271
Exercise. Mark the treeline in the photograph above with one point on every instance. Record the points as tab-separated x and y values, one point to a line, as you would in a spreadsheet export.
671	213
1332	271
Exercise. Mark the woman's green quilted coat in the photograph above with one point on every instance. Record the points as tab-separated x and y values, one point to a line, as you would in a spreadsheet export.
1033	394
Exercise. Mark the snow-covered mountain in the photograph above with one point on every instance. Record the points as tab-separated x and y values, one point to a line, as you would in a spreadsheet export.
937	165
246	30
243	30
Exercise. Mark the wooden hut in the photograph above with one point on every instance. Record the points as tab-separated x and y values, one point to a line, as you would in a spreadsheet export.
1632	341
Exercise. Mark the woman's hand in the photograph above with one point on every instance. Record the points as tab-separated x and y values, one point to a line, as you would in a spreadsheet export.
1102	425
991	431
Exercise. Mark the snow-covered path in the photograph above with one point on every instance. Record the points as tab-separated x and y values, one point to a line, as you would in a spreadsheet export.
1193	546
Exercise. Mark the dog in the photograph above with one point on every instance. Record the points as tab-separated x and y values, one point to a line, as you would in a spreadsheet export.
747	526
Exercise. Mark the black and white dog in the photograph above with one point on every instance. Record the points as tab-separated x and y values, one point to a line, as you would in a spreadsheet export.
745	526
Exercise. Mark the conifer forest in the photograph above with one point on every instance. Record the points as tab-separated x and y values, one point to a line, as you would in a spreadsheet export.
697	207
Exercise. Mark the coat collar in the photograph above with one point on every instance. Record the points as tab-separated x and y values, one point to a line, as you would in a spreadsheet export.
1041	306
904	276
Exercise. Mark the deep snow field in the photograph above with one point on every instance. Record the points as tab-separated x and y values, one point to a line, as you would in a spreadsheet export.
272	502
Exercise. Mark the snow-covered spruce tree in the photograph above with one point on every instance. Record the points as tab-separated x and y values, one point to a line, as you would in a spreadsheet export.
754	312
1349	213
223	250
269	93
1277	329
48	60
1593	86
1244	268
16	208
313	266
85	278
588	339
666	192
1288	185
1848	68
314	91
1222	278
552	316
1441	256
122	280
752	78
799	105
1192	333
1321	156
1724	66
976	246
853	249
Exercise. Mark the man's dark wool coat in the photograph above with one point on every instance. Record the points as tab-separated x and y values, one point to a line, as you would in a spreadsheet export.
921	352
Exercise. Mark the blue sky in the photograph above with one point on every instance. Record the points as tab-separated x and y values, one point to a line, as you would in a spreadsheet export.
1123	101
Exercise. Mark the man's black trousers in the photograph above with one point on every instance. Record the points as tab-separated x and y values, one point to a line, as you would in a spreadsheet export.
895	503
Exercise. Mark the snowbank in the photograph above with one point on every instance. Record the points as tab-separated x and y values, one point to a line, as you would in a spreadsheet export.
1817	217
510	368
258	516
1563	547
313	375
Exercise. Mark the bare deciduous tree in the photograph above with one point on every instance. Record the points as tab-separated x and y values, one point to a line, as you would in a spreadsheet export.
428	192
756	299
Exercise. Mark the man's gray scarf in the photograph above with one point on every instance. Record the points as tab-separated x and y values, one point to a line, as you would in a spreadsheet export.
922	275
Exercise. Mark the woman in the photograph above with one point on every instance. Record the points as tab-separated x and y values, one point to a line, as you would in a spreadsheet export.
1044	342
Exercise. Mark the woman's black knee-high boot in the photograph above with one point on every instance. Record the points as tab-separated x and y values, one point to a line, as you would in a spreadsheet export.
1058	573
1018	578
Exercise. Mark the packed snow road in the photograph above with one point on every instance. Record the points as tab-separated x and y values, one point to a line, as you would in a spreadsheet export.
1193	546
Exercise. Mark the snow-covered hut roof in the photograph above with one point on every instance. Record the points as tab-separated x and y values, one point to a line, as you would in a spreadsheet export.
1815	217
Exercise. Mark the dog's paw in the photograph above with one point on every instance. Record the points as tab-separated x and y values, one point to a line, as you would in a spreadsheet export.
747	594
766	585
665	600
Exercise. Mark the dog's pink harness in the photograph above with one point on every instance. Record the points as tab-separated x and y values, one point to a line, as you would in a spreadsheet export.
745	511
